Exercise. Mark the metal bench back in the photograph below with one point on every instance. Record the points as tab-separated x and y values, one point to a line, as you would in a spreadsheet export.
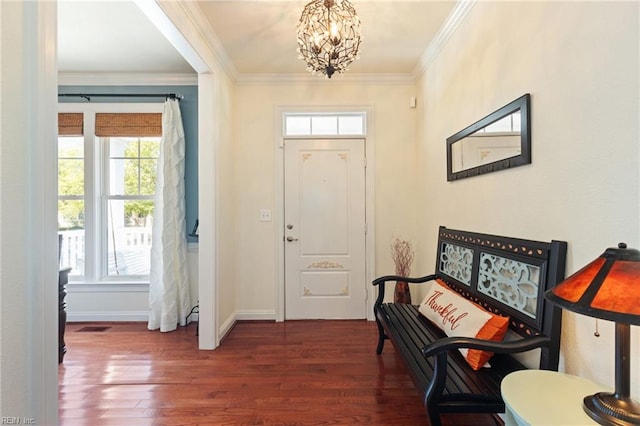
507	276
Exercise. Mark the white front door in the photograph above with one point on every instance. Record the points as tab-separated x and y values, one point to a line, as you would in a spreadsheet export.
324	233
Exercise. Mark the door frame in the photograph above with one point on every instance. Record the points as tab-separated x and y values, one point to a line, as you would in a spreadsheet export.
369	144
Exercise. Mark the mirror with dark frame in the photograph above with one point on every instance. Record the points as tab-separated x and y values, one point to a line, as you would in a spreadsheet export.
499	141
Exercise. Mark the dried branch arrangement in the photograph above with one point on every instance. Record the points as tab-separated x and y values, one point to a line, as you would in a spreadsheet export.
402	254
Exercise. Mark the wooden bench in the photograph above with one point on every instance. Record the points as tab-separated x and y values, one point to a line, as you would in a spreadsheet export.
506	276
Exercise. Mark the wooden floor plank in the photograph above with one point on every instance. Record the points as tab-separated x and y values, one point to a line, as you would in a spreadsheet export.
264	373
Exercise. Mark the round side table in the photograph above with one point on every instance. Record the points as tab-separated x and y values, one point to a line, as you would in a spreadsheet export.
541	397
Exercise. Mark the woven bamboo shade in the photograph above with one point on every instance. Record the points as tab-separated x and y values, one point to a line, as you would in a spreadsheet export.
70	124
131	124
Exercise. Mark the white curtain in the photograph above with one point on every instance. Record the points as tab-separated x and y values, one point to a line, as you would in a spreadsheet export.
169	295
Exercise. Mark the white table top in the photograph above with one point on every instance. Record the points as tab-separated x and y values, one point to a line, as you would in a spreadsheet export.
541	397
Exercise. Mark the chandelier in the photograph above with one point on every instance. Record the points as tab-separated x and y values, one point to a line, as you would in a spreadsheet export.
328	36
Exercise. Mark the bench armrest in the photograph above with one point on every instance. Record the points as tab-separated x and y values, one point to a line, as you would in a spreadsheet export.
380	282
416	280
440	350
515	346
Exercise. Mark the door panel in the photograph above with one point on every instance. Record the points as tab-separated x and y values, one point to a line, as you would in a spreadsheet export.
324	229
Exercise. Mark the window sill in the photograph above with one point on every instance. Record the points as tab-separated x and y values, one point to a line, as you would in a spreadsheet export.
108	287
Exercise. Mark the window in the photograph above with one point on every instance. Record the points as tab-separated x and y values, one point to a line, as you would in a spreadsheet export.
131	188
106	186
323	124
507	125
71	210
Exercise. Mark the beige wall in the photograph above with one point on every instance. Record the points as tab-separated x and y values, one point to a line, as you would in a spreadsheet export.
580	63
255	187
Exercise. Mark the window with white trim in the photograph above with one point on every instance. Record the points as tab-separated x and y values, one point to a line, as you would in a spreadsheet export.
106	187
131	177
324	124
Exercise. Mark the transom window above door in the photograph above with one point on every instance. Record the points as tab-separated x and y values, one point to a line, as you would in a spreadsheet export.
325	124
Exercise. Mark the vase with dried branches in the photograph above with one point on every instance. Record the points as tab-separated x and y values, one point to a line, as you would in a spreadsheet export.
402	254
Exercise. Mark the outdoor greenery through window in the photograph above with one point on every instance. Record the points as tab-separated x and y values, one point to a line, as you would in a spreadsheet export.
106	189
132	181
71	210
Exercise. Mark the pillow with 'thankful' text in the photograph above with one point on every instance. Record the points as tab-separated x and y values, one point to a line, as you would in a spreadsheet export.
458	316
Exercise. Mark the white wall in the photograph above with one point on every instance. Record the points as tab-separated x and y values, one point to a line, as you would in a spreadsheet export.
28	254
580	62
225	210
255	149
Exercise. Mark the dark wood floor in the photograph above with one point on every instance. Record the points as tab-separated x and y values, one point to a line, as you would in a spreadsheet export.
264	373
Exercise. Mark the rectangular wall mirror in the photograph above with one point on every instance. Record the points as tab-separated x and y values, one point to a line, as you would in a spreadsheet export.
499	141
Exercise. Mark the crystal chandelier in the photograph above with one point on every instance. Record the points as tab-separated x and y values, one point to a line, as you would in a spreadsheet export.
328	36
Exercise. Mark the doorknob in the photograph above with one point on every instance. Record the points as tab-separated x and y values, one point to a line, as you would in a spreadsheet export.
290	239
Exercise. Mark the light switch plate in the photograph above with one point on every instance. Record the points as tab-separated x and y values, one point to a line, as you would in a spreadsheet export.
265	215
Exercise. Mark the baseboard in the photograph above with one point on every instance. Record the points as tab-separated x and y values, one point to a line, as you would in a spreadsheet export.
79	316
228	324
255	315
143	316
226	327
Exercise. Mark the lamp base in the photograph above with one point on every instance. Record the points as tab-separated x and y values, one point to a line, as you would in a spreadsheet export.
609	409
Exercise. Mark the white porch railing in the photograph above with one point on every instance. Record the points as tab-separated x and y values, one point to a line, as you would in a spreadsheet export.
132	248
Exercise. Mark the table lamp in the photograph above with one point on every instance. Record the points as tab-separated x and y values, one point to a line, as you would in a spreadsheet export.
608	288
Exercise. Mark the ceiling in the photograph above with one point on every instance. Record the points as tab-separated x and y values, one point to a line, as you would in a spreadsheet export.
258	37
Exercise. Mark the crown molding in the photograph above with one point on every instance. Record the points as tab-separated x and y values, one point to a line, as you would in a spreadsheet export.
125	79
308	79
195	19
201	25
457	15
455	18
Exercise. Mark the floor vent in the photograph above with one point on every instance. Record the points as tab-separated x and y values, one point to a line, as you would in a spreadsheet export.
93	329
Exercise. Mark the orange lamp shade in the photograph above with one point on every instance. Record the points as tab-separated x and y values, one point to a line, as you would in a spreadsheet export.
607	288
